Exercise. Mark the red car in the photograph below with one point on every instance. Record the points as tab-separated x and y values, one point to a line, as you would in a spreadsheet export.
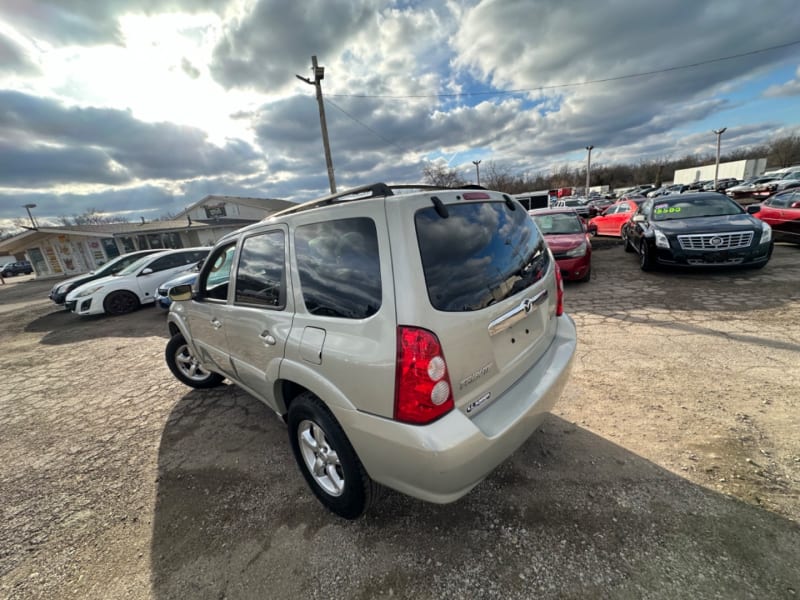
612	219
568	238
782	213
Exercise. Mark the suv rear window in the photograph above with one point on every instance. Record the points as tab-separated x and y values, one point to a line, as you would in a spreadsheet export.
480	254
339	267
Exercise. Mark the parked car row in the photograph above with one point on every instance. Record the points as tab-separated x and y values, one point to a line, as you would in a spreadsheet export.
699	229
126	283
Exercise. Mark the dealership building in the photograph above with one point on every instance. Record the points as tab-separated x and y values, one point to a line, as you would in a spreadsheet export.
65	250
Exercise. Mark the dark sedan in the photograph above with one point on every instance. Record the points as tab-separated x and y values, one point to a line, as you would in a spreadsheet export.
704	229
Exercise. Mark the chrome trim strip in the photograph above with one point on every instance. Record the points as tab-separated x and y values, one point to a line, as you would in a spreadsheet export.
517	313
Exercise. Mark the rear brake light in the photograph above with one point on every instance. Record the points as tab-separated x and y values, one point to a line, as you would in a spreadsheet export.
422	385
559	293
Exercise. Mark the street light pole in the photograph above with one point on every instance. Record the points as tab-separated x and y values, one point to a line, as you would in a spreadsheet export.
588	169
319	75
719	133
28	207
477	171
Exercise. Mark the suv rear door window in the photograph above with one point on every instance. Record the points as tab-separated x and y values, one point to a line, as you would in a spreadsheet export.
480	254
260	276
339	268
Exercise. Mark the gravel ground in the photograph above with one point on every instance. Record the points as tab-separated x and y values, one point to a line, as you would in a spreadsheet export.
670	468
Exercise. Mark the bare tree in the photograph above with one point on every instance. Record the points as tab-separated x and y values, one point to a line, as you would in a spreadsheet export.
784	151
439	174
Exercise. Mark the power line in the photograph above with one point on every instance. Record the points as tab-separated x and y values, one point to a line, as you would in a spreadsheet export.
573	84
367	127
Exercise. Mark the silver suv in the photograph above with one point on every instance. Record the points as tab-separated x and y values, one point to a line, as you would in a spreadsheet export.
412	340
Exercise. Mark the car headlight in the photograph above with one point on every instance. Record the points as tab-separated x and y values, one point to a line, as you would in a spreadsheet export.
577	251
89	291
766	233
661	239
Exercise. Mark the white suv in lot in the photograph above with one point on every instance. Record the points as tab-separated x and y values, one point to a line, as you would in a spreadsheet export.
412	340
128	289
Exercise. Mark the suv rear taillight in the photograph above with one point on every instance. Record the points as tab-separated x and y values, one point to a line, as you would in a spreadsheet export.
422	391
559	293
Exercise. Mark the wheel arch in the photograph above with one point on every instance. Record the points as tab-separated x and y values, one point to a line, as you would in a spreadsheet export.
296	378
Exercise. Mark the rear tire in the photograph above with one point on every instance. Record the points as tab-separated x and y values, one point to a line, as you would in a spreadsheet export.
120	302
183	365
327	460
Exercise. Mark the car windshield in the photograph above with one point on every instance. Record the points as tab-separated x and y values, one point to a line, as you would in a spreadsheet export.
135	266
690	208
558	223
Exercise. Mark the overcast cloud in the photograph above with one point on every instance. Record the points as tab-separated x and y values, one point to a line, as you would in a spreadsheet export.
136	106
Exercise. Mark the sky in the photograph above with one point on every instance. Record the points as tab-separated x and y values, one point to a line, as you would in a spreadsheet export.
139	108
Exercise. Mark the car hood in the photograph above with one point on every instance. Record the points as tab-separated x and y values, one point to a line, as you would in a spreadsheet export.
708	224
180	280
561	242
76	279
100	281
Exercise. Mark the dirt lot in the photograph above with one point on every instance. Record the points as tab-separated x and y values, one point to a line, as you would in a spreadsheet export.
670	469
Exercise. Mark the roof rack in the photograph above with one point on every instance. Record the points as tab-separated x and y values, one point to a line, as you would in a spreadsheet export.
374	190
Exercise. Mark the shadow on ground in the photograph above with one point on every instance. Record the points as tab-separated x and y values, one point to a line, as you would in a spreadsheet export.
62	327
569	515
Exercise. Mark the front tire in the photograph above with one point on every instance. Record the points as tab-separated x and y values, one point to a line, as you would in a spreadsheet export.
120	302
328	462
628	245
646	262
185	367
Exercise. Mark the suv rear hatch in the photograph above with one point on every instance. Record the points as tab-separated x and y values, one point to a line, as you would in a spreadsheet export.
491	289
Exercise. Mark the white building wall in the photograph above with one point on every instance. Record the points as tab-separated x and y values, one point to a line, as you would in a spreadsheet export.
740	169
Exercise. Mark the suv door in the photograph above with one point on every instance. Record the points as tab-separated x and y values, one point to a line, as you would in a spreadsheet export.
260	311
208	314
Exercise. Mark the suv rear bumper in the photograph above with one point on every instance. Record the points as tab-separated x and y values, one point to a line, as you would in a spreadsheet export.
443	461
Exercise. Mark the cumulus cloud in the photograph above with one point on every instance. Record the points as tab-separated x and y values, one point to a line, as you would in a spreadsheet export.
64	22
14	58
371	49
145	150
790	88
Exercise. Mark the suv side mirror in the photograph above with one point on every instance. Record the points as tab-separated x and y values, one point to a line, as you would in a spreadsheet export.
146	271
795	205
753	209
180	293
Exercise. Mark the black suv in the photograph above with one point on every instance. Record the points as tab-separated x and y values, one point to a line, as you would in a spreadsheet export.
15	268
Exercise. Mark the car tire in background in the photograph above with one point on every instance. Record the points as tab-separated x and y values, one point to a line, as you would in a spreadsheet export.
120	302
183	365
327	460
646	262
628	245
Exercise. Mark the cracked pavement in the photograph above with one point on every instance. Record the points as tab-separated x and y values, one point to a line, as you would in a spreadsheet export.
670	467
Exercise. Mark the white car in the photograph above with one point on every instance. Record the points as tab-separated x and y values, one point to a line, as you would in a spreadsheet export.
132	286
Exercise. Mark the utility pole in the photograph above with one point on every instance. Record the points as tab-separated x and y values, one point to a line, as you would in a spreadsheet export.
28	207
319	75
719	133
588	169
477	171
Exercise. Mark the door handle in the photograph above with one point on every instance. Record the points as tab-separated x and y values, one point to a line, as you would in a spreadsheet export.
216	323
268	339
